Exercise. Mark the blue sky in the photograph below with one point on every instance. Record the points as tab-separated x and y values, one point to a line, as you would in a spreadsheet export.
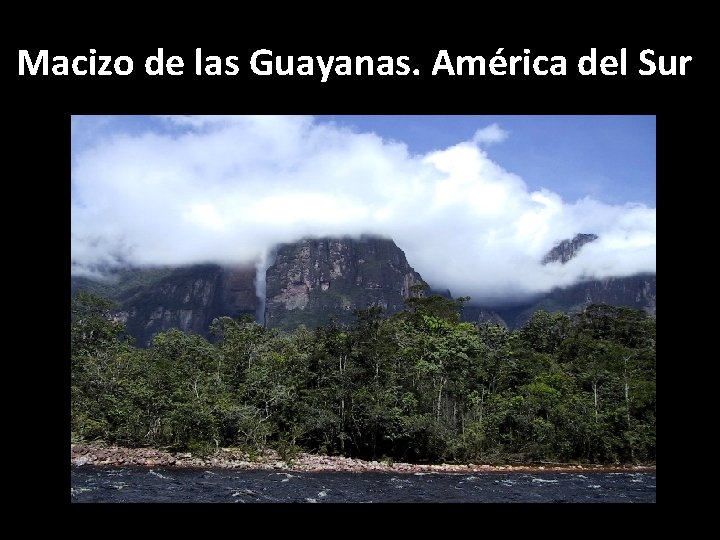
611	158
474	201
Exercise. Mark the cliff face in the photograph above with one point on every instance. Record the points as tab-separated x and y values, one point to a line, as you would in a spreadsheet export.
309	282
187	298
238	294
481	315
631	291
567	249
315	279
637	291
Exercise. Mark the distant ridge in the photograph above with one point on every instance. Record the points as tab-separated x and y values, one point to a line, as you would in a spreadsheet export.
567	249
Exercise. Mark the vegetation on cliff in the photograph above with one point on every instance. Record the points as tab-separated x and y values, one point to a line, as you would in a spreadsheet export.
419	385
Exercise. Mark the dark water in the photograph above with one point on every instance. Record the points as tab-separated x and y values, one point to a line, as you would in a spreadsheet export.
91	484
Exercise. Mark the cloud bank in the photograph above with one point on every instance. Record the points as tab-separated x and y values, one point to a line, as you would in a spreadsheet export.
225	189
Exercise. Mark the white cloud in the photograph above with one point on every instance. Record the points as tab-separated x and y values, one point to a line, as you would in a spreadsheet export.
490	134
226	188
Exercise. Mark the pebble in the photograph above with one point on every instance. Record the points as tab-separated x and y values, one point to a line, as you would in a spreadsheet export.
227	458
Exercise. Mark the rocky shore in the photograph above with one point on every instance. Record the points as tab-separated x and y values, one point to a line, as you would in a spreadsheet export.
229	458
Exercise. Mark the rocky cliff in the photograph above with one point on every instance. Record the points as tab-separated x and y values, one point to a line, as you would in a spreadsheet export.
637	291
189	298
567	249
313	280
482	315
631	291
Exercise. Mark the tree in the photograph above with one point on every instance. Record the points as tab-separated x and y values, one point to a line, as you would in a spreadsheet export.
544	332
419	304
419	385
92	325
184	378
99	356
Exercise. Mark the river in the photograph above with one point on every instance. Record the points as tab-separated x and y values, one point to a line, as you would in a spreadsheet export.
105	484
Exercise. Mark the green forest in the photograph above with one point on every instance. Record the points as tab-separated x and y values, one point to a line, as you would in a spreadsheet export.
417	386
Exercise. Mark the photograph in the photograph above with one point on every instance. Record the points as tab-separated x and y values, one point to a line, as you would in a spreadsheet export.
378	308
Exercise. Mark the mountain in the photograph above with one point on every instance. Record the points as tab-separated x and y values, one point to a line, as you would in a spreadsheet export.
482	315
309	282
567	249
638	291
154	300
314	280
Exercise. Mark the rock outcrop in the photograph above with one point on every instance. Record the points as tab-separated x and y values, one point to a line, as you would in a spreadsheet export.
631	291
481	315
188	298
637	291
314	280
567	249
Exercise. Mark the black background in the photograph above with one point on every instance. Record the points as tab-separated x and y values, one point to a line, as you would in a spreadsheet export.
37	197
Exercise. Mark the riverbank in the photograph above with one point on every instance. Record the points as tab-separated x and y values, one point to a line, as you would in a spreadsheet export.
229	458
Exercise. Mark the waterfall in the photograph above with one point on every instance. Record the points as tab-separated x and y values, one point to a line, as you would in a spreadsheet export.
266	260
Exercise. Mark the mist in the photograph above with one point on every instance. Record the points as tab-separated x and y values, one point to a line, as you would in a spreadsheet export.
227	189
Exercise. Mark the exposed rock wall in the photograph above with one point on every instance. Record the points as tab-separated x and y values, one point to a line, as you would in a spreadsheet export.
313	280
187	298
567	249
